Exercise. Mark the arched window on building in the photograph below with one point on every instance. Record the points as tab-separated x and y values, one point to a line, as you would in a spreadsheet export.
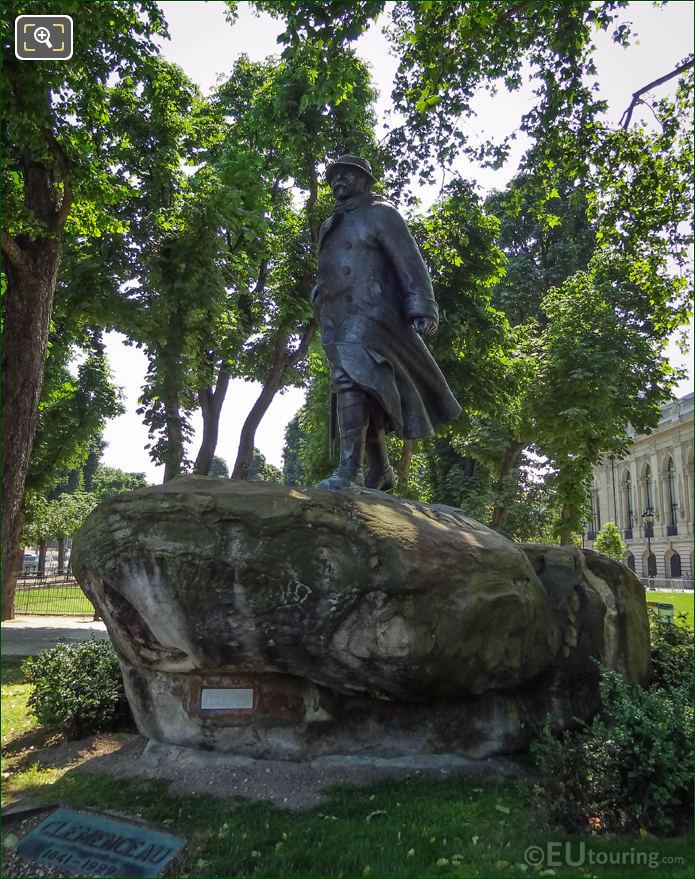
595	525
629	509
672	498
649	487
649	565
673	566
629	560
648	512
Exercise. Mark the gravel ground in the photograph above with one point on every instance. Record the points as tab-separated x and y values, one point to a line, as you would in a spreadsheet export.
283	784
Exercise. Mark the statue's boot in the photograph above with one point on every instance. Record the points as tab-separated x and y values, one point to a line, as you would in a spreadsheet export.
353	418
380	474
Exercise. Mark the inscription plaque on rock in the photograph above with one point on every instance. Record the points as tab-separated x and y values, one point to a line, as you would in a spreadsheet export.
226	699
89	844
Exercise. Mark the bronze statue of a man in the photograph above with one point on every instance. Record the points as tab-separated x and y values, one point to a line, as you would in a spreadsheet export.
374	302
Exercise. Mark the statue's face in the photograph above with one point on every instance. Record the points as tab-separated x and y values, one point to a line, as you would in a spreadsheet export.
348	180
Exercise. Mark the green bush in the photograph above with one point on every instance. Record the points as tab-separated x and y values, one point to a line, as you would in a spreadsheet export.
609	542
631	768
78	689
672	652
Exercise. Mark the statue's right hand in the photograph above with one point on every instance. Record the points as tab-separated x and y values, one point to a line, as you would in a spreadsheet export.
424	326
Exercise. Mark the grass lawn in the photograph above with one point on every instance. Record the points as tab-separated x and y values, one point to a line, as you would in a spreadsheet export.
409	828
15	691
413	827
681	601
61	599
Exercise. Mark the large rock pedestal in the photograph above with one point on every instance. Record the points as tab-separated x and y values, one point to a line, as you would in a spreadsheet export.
290	623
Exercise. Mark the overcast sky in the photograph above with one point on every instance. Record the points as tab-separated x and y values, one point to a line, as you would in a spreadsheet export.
206	46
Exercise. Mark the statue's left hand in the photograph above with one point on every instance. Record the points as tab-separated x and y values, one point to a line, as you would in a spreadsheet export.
424	326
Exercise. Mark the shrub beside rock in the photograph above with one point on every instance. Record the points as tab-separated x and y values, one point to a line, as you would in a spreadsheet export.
78	689
631	768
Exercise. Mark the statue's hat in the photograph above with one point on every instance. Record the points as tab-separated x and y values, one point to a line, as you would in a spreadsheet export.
354	161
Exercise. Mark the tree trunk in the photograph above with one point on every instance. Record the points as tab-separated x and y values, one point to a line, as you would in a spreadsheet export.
15	568
282	361
565	530
282	358
273	383
211	408
31	268
174	430
41	567
26	318
403	466
61	555
510	462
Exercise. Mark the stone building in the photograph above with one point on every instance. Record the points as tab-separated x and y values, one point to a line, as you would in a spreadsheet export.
649	495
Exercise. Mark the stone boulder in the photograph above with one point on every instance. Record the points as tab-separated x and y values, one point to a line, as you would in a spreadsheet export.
290	622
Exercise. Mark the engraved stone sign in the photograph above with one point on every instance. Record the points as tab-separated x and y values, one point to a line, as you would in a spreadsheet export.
226	699
89	844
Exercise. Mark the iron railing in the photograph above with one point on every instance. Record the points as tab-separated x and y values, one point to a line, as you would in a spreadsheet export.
51	594
667	584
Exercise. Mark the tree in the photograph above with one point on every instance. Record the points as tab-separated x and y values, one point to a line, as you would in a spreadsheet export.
211	271
308	453
73	411
62	173
198	288
109	481
165	283
609	542
292	469
55	520
293	115
594	298
596	207
605	340
539	256
70	511
58	513
449	53
75	405
218	468
261	471
458	240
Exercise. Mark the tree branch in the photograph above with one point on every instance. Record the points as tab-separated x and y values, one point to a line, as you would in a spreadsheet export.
12	250
262	277
64	167
218	395
303	346
626	118
310	205
515	10
232	247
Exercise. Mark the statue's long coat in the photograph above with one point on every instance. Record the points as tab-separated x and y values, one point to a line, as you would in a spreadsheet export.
372	282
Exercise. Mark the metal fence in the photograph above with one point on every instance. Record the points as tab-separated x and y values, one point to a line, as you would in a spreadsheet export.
664	584
51	594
